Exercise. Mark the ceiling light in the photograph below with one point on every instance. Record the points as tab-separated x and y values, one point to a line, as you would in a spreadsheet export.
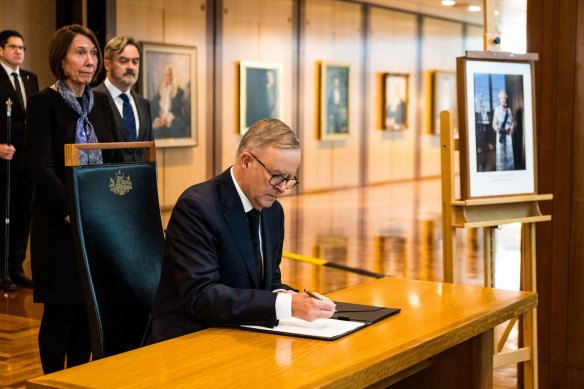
448	3
496	12
474	8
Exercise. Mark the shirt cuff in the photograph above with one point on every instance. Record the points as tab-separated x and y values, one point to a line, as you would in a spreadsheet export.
283	306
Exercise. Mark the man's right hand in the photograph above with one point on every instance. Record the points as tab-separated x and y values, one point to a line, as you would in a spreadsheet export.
7	152
308	308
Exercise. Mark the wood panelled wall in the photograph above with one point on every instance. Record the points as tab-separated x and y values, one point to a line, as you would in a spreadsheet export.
299	34
181	22
555	30
35	20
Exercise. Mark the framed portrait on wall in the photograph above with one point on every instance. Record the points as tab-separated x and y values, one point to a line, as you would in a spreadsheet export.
497	126
169	82
443	98
260	93
394	102
334	100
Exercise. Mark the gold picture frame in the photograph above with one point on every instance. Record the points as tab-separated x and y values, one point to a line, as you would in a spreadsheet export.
169	83
334	93
260	92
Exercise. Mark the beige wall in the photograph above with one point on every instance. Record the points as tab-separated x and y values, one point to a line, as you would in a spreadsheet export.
35	20
264	31
333	33
256	31
393	50
181	22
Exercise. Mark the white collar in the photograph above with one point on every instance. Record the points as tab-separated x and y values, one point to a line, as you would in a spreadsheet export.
244	200
10	70
113	90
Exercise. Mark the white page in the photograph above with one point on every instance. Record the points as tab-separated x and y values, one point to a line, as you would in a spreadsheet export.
321	328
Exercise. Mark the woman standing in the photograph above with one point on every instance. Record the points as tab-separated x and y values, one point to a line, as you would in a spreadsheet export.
65	112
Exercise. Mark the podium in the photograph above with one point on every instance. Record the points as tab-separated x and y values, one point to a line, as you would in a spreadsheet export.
488	213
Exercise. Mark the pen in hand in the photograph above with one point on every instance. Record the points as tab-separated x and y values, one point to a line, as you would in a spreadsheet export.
312	294
325	300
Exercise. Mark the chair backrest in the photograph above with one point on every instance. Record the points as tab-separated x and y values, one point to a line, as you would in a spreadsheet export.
119	243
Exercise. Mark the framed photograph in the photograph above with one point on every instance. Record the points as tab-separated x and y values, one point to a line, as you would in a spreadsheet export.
394	106
260	93
443	98
169	82
497	127
334	100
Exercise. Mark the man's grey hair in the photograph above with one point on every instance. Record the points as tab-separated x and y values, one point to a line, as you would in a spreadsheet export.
117	44
265	133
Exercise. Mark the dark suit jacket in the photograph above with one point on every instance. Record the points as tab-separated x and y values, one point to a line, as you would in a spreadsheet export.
18	113
20	184
50	125
145	130
209	274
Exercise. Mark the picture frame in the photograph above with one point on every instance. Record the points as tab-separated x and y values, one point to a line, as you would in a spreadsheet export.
496	101
260	92
169	82
443	98
394	102
334	92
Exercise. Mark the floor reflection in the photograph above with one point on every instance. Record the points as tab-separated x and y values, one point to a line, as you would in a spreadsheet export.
393	229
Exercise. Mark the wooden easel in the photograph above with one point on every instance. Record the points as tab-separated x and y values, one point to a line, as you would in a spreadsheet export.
490	213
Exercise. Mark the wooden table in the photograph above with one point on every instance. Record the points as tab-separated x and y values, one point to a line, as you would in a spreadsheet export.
442	338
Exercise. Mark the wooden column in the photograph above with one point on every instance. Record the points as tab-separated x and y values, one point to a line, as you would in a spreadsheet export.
555	31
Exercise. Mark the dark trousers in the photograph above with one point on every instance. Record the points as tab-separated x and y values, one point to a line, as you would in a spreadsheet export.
64	335
19	227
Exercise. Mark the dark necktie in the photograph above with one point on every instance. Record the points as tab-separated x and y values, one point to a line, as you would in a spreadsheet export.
18	90
253	217
129	119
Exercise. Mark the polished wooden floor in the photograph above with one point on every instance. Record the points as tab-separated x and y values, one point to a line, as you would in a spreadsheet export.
393	229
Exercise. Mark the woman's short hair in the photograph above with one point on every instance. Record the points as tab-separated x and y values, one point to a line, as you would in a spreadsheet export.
59	46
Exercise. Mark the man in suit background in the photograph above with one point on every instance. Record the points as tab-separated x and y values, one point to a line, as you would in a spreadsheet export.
215	272
122	63
12	80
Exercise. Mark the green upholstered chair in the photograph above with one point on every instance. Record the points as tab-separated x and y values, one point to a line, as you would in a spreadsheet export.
119	243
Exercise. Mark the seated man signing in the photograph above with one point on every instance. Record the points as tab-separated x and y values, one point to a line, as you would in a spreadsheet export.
212	274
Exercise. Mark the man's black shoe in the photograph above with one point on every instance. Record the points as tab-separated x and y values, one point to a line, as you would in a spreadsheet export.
7	284
21	279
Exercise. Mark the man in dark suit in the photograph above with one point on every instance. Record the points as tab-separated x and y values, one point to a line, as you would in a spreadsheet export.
216	270
122	63
14	80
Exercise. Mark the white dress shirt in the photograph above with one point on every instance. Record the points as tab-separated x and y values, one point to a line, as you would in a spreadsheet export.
115	92
283	300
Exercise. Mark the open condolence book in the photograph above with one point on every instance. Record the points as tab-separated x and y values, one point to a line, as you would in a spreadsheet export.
348	318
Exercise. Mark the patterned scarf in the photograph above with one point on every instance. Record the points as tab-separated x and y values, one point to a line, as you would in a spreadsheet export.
84	132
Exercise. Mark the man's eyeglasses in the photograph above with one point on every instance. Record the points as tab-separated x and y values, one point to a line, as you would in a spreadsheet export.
15	47
277	179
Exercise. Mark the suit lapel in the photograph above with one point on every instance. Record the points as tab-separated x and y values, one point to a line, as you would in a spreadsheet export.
29	86
117	116
142	115
268	249
7	85
237	223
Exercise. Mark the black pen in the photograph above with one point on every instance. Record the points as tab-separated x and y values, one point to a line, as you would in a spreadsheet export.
312	294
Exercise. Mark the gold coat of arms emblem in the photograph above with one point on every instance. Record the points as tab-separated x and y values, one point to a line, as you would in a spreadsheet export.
120	184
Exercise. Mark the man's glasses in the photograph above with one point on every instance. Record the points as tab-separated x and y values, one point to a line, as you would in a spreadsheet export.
277	179
15	47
